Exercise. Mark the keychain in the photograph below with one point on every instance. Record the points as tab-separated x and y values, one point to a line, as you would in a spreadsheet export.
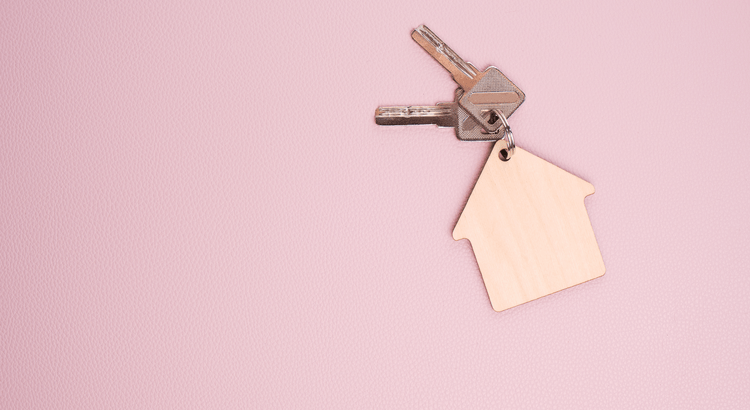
525	218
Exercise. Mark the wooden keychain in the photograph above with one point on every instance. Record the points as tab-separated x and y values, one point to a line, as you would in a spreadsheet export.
525	218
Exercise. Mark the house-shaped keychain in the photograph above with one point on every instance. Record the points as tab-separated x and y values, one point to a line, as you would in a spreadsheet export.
529	229
525	218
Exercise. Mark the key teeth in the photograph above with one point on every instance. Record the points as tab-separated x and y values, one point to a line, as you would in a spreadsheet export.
427	34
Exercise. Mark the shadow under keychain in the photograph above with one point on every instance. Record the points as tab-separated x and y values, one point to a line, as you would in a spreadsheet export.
525	218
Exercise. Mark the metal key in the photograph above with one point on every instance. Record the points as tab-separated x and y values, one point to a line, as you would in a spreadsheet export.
448	114
484	92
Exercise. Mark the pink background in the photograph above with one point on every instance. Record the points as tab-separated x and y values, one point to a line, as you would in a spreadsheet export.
197	209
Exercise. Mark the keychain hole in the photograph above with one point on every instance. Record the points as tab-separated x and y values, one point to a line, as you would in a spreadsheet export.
493	117
503	154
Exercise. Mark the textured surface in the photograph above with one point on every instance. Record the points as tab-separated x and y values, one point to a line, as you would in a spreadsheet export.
529	229
492	80
168	240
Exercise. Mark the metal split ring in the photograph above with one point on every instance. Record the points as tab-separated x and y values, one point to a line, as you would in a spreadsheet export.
510	143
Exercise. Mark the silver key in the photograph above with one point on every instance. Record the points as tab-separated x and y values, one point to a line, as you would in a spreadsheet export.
484	92
443	115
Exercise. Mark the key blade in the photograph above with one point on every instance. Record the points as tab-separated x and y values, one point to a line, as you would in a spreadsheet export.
442	115
463	73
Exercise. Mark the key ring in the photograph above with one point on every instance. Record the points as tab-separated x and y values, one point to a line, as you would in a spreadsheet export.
510	143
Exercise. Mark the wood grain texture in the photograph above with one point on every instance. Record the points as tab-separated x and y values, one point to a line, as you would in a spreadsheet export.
529	229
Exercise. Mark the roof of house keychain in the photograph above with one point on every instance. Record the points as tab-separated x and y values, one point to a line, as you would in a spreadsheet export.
525	218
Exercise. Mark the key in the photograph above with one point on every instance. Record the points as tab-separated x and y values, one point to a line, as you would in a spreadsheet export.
484	92
448	114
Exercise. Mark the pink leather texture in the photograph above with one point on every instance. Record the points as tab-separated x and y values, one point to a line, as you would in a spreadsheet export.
198	211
